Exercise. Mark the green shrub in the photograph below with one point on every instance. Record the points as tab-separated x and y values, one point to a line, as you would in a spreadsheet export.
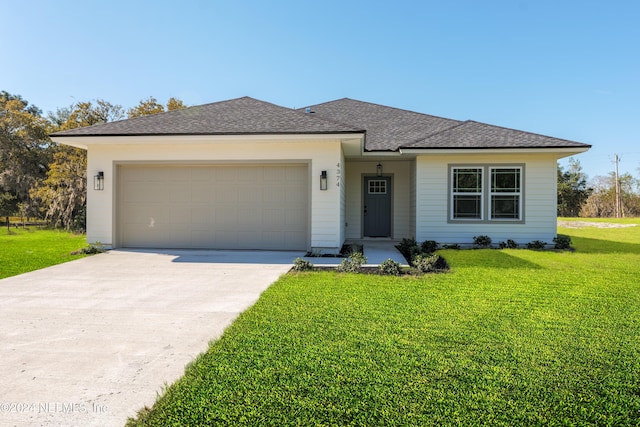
300	264
93	248
451	246
390	267
509	244
406	244
430	263
536	244
409	248
562	241
481	241
353	263
429	246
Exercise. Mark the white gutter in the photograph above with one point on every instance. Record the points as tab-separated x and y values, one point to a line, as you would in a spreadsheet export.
568	151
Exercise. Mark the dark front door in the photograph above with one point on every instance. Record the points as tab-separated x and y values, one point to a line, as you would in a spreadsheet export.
377	206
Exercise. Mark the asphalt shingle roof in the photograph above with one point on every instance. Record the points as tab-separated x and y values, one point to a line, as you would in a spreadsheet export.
388	128
471	134
385	128
241	116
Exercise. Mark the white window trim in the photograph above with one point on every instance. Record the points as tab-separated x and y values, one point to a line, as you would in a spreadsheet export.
492	193
452	194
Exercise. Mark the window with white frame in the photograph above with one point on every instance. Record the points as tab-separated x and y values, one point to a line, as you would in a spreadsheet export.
377	186
467	193
486	193
505	193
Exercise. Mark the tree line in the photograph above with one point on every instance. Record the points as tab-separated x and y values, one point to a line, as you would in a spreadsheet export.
601	197
42	179
45	180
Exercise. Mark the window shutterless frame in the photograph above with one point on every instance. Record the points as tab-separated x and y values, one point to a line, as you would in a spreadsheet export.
505	199
467	193
487	193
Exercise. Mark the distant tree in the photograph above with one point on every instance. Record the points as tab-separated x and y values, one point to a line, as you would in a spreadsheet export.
24	149
62	195
573	191
175	104
8	206
602	201
84	114
149	106
146	107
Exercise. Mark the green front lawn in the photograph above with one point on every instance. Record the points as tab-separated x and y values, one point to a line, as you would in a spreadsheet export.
27	250
508	337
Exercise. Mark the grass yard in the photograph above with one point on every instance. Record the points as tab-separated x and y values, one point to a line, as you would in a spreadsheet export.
32	249
508	337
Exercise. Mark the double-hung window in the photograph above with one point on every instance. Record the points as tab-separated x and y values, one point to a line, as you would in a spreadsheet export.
506	193
486	193
467	193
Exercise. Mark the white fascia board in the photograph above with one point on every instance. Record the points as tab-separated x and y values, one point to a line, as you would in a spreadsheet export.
561	152
86	141
381	154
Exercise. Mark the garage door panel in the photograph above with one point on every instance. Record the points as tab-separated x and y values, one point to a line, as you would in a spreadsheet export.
274	218
201	238
274	195
177	193
250	218
250	174
275	174
226	174
227	195
295	239
141	214
200	192
226	216
250	195
201	216
201	174
296	175
221	207
295	218
180	215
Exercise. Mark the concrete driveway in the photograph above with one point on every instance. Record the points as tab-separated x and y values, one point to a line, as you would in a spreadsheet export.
92	341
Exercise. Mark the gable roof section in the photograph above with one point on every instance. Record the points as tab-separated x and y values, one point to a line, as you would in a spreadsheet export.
388	128
240	116
471	134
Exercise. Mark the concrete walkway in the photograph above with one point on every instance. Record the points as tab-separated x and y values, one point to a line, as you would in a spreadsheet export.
376	251
90	342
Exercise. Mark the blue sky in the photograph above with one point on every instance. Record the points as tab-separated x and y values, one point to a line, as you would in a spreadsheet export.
564	68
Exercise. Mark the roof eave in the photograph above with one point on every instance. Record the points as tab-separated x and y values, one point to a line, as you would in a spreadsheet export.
84	141
560	150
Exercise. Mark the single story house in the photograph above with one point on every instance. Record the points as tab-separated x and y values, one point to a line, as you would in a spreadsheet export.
248	174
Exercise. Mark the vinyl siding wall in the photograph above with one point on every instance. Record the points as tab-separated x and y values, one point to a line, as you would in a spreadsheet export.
432	195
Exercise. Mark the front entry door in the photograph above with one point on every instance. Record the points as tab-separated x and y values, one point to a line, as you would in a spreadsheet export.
377	206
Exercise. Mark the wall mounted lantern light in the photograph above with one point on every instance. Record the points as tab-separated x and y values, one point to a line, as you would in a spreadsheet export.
323	180
379	169
98	181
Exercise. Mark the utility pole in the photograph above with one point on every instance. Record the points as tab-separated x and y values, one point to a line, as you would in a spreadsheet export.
618	201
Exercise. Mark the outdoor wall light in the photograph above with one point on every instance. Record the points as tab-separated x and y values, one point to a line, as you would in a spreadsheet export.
379	169
323	180
98	181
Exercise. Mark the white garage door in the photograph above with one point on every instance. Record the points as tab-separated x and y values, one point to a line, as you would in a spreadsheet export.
216	207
